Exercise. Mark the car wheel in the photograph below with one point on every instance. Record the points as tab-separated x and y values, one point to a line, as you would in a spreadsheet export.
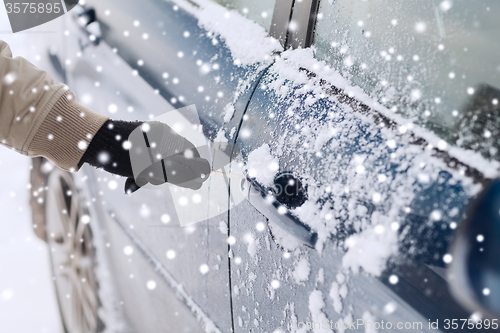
72	254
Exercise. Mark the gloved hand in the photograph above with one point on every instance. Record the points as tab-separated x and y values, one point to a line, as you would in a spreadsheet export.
153	153
158	155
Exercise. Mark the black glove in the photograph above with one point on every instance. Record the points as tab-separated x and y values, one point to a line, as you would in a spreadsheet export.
158	155
182	164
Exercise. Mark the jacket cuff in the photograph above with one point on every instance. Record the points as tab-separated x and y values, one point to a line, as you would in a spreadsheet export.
66	132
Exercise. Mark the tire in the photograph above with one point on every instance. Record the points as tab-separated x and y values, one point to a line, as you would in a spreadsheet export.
72	255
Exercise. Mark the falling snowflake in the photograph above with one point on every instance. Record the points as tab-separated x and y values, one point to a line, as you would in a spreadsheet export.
82	145
151	285
171	254
165	218
447	258
128	250
112	185
85	219
204	269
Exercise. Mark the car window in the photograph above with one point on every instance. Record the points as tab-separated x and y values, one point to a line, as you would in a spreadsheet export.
260	11
435	62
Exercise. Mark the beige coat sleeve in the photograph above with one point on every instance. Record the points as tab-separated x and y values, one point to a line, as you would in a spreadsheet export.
40	117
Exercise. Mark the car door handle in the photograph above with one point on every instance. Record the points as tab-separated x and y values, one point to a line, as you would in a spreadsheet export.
265	201
86	18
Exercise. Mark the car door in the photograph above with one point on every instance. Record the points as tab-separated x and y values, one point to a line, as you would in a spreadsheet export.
293	258
351	208
155	56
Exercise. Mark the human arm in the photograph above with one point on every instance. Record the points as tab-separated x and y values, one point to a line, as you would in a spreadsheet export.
41	117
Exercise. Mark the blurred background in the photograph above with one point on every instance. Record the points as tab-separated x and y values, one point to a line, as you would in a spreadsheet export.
27	296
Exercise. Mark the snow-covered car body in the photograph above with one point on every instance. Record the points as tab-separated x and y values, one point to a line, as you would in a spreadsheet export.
362	237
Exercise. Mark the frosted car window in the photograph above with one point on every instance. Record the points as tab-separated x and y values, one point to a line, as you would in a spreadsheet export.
260	11
435	62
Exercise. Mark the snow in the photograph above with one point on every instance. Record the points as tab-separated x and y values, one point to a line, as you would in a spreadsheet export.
294	322
320	322
151	285
223	227
335	296
252	245
283	238
323	137
221	136
228	112
128	250
369	322
165	218
343	291
301	271
393	279
390	307
262	166
171	254
204	269
369	250
112	185
304	58
343	323
260	226
248	41
352	181
321	275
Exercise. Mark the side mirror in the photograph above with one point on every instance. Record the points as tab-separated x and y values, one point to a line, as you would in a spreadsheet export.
474	273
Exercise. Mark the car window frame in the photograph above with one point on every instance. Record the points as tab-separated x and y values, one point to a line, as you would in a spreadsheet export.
305	15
